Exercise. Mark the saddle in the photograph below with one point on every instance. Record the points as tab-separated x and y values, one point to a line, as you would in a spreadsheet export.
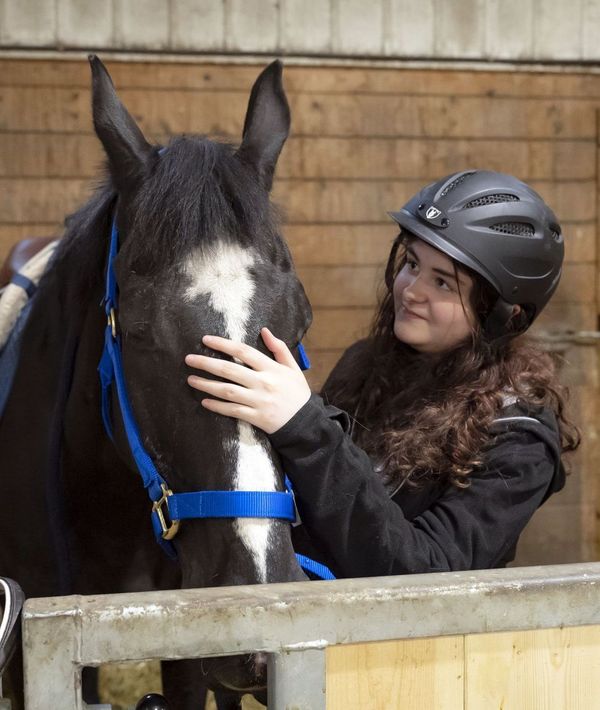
19	255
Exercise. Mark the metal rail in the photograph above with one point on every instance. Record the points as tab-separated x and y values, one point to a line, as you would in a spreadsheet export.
292	622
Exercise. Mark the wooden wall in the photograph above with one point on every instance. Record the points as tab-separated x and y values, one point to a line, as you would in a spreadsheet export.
364	140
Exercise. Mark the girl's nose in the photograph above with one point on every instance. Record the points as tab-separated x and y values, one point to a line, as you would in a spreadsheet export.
414	292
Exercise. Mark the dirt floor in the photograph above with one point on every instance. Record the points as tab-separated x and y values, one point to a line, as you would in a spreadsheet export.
123	684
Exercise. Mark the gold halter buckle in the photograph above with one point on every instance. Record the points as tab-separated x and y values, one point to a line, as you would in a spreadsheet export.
169	530
112	321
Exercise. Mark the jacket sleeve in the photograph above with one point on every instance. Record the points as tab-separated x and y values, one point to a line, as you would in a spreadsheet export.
362	532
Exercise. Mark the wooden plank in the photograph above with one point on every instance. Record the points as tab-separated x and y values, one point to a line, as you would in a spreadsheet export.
353	286
407	675
567	316
45	109
580	241
337	327
340	244
27	200
78	155
199	76
430	158
548	669
369	243
577	284
50	155
574	201
352	201
356	286
434	116
222	112
57	109
342	201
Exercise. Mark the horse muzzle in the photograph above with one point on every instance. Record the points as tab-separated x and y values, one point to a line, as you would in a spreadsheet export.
242	674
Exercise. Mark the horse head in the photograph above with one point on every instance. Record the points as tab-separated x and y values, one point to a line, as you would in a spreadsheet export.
200	253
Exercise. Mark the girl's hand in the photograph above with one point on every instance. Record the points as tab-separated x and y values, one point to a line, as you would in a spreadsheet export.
266	396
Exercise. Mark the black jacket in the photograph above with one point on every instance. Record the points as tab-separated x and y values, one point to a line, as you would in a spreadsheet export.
352	525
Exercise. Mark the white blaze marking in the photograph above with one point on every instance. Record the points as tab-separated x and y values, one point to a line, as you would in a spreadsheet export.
223	274
254	473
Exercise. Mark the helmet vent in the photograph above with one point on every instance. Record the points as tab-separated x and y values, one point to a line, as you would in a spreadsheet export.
455	183
518	229
491	200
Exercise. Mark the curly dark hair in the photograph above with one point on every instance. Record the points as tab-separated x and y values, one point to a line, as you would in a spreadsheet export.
425	417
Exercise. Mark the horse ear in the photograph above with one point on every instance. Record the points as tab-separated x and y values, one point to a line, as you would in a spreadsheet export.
127	150
267	123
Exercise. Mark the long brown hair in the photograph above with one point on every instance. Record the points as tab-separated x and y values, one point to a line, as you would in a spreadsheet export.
426	417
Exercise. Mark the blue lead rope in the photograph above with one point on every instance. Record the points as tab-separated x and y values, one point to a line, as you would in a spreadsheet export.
168	507
316	568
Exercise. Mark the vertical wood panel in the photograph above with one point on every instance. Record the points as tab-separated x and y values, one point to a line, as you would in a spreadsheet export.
548	669
396	675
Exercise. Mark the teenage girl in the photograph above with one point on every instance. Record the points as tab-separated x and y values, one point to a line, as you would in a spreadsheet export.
437	437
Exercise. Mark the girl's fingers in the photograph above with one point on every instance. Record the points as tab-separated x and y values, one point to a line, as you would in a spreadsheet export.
224	390
222	368
240	351
279	349
238	411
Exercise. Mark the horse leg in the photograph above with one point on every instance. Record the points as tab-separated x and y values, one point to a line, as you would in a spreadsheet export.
228	701
183	684
89	685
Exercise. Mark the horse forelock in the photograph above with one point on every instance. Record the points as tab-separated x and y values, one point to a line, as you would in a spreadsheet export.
199	191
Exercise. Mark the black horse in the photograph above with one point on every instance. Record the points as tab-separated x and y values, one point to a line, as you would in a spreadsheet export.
200	252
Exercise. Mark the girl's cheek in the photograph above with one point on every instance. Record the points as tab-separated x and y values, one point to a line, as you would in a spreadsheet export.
399	286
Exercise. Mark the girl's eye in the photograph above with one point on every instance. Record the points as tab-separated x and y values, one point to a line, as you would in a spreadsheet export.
442	284
412	264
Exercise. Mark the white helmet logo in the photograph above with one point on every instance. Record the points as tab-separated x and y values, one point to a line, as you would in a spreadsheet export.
432	213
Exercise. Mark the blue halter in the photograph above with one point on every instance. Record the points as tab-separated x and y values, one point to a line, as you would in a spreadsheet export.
169	508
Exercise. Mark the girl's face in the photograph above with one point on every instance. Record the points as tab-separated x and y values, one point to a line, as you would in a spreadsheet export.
432	301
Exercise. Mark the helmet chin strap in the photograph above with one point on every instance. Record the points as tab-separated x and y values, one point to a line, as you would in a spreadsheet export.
496	325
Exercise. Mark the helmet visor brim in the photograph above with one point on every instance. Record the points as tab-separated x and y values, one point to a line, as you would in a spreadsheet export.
415	226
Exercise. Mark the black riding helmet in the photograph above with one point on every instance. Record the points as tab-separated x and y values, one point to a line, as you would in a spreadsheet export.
500	228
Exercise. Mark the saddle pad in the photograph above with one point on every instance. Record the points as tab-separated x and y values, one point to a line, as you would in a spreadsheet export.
15	304
14	296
